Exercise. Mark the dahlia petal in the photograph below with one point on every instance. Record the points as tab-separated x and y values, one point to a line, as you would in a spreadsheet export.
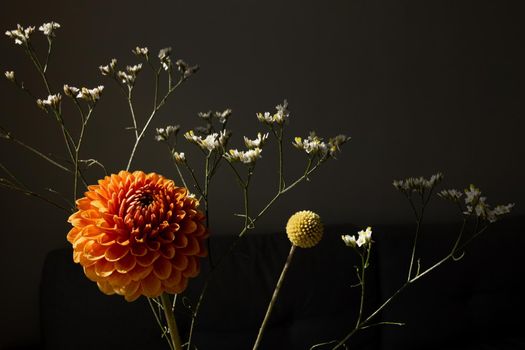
91	231
200	231
104	268
162	268
180	215
105	287
126	264
83	203
188	226
93	250
167	251
178	288
180	262
174	278
147	259
131	288
153	245
181	241
151	286
89	271
138	249
139	272
132	297
73	234
119	280
193	268
106	239
83	260
116	252
192	248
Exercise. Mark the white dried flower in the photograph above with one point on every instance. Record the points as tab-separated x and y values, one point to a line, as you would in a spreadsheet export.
20	34
140	51
350	241
258	142
365	236
164	57
223	116
51	101
163	134
126	78
312	145
10	75
246	157
134	69
417	184
179	157
91	95
71	91
49	28
452	194
211	142
266	118
108	69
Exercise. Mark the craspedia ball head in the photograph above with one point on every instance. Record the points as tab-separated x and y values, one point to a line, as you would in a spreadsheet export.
304	229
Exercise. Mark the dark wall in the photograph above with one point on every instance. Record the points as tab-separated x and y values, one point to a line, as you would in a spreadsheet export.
421	86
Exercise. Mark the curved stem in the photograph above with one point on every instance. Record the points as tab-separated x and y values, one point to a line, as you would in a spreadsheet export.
274	298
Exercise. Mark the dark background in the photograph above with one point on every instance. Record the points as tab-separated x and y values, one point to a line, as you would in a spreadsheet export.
421	86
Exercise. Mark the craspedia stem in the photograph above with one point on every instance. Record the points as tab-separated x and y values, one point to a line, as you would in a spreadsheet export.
274	297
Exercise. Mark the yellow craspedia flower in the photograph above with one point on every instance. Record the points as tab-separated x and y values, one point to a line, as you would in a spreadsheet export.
304	229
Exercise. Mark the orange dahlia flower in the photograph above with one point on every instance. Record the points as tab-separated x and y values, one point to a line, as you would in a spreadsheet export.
138	234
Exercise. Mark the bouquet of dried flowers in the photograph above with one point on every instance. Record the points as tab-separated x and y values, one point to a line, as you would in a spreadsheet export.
143	235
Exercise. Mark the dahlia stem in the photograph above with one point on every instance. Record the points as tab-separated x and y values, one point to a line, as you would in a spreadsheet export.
170	319
274	297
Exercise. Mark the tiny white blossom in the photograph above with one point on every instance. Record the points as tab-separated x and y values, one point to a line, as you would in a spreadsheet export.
350	241
179	157
49	28
90	94
140	51
365	236
51	101
20	34
211	142
248	157
108	69
10	75
71	91
258	142
266	118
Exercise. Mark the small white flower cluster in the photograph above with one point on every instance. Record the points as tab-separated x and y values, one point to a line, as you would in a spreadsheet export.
211	142
164	57
248	157
20	34
477	205
257	143
311	145
185	69
164	134
128	77
179	157
90	95
452	195
364	238
314	145
10	75
52	101
141	51
109	69
280	117
417	184
49	29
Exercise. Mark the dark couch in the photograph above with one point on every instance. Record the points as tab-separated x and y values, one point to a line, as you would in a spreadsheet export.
475	303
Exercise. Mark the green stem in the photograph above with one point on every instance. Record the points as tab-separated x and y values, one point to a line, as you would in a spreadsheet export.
170	320
274	298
